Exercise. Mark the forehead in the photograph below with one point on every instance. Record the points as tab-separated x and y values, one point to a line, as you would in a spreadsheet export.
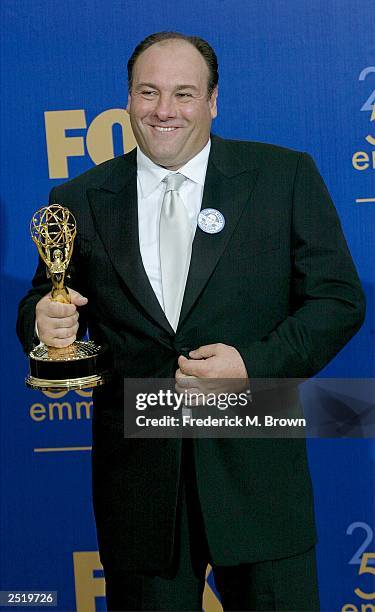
171	61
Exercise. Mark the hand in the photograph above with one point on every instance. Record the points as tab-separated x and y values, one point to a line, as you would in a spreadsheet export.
213	368
58	323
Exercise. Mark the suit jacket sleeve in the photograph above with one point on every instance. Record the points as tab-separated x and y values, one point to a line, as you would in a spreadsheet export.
327	301
41	286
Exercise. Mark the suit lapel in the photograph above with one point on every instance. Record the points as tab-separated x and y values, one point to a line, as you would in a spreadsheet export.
115	212
228	187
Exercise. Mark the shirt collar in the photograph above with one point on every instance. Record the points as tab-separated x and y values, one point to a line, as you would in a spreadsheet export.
150	175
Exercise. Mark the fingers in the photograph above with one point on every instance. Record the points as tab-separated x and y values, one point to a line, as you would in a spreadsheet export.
46	307
204	352
64	321
64	333
197	364
189	386
191	367
57	323
57	342
76	298
185	381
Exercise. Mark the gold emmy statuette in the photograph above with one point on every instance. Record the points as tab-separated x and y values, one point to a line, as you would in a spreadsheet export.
82	364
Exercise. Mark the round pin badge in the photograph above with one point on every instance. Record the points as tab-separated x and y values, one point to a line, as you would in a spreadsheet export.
211	221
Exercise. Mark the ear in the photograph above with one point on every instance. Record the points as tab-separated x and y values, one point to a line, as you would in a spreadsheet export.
129	101
213	102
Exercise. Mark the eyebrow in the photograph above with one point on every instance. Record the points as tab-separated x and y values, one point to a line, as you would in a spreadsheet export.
178	88
186	87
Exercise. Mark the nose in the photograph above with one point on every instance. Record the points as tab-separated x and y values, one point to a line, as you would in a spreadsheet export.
165	108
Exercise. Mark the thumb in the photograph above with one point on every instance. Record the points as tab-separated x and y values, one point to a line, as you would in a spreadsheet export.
76	298
203	352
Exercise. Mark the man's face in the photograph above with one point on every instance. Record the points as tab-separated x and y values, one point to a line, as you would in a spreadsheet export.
169	107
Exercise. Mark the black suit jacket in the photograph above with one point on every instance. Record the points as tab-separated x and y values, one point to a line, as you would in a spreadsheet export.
278	283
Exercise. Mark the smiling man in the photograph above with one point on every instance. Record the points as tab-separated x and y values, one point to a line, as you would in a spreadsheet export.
203	259
172	102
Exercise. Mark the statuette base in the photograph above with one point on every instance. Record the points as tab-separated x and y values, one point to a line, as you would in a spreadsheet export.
78	366
70	384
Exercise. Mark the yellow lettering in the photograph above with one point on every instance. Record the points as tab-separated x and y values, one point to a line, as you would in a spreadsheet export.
84	392
60	406
99	139
360	160
367	608
38	412
87	587
88	408
369	138
210	602
349	608
60	146
366	568
55	394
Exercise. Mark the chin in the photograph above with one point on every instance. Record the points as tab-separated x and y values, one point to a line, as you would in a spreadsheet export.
165	160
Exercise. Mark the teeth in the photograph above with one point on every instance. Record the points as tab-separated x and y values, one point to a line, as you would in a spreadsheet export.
164	129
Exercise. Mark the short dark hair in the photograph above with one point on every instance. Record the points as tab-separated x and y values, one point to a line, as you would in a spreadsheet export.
200	44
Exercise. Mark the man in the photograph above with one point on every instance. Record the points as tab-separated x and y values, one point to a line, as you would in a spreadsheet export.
271	293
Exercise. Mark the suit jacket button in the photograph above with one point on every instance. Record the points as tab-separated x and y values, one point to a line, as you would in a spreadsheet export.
183	350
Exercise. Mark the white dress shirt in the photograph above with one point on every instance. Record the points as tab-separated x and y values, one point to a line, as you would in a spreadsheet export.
150	189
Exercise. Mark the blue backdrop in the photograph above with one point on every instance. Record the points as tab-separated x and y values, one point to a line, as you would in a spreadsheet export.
300	74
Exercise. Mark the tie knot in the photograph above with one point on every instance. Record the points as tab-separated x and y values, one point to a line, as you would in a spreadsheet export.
174	181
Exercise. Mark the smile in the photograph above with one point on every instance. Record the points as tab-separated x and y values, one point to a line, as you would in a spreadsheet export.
165	129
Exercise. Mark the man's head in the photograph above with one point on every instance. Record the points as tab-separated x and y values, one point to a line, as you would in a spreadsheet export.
172	96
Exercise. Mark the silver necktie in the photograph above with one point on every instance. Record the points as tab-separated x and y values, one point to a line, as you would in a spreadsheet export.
175	240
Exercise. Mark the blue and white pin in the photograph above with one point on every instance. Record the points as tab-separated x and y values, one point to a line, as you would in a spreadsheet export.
211	221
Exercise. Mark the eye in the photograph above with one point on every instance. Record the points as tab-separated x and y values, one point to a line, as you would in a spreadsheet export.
184	95
148	93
